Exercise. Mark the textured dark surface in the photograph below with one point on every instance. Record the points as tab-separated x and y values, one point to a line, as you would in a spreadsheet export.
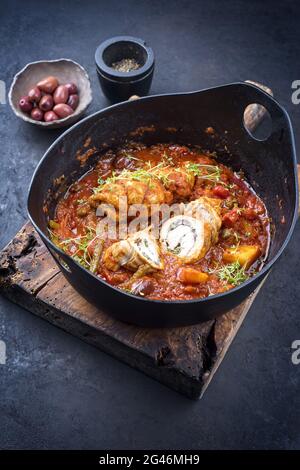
56	391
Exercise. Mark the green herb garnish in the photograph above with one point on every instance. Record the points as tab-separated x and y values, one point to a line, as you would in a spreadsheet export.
167	159
81	201
101	181
145	175
232	273
81	243
131	157
206	172
161	172
230	233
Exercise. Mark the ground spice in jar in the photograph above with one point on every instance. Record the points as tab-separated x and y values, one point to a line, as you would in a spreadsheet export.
126	65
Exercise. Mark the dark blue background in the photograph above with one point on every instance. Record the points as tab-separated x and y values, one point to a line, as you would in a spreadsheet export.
58	392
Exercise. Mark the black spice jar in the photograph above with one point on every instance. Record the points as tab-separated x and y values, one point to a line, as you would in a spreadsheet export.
121	53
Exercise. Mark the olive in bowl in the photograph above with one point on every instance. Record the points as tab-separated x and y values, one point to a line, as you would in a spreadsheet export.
51	94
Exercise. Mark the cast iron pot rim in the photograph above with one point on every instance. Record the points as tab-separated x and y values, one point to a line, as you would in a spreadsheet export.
123	77
258	275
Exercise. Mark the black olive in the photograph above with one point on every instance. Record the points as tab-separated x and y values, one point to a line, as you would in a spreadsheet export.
143	288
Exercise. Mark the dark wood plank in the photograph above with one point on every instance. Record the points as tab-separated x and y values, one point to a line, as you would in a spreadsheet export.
185	359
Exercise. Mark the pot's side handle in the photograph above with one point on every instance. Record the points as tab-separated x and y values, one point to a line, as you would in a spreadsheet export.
255	113
253	116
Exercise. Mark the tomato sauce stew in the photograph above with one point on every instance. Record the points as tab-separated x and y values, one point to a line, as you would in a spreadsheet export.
217	239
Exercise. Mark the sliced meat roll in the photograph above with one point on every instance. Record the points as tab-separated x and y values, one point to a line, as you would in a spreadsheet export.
184	237
208	210
139	249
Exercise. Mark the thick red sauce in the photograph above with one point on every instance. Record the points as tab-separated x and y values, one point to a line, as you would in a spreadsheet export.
244	223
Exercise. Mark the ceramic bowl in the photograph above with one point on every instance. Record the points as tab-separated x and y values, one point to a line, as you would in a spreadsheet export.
65	70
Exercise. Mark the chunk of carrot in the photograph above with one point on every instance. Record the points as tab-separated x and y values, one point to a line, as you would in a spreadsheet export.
191	276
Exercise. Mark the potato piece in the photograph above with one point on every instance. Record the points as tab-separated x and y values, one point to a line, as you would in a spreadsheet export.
191	276
244	254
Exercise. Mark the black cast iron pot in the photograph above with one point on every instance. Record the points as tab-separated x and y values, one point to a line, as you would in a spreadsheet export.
269	166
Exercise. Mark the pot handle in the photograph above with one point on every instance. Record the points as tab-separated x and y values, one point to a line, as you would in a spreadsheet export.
248	93
253	117
255	113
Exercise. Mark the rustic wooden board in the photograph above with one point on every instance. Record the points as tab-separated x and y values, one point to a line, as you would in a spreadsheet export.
185	359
